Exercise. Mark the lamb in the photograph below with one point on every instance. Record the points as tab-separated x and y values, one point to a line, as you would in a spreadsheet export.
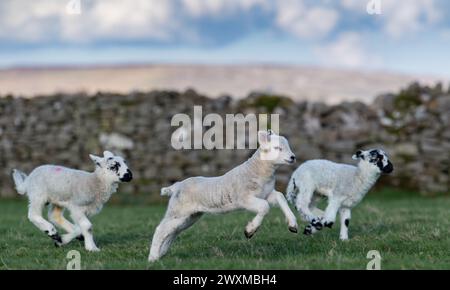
82	193
249	186
343	185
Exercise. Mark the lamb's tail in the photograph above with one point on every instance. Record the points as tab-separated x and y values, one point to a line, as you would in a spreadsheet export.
292	191
20	181
170	190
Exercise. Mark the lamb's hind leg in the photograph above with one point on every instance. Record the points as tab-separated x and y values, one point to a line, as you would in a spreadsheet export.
56	216
189	222
35	216
310	229
303	203
166	233
261	208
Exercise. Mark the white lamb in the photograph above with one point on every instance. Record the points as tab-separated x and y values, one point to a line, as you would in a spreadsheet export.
82	193
248	186
343	185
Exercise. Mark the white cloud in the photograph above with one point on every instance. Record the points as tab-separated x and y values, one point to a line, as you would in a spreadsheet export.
347	51
116	19
402	17
305	21
38	21
217	8
28	21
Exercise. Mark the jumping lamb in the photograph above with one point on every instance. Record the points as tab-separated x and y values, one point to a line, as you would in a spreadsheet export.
343	185
249	186
82	193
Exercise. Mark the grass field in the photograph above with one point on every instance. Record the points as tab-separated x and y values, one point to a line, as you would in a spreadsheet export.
409	231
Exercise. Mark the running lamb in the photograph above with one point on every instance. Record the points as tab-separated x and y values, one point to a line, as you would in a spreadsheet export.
248	186
343	185
82	193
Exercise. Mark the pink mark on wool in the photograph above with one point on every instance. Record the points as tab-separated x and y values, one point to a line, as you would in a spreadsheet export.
58	169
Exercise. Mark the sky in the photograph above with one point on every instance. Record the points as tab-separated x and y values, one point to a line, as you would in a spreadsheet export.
410	36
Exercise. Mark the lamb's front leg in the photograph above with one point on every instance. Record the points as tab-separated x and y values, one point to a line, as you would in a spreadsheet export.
345	216
261	208
330	212
277	198
85	226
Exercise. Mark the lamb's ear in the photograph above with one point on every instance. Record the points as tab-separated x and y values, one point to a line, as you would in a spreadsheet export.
97	160
357	155
263	137
107	154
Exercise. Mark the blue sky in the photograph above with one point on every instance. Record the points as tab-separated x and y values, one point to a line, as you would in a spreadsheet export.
411	36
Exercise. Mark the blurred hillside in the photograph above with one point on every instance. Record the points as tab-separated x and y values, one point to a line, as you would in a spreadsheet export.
301	82
412	125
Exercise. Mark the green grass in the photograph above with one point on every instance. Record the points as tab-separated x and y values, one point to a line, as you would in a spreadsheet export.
409	231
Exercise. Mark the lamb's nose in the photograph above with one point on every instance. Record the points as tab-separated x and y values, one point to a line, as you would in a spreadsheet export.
127	176
292	158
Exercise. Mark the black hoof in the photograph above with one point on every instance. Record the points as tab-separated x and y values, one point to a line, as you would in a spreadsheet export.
307	231
58	245
329	224
293	230
80	238
248	235
57	238
317	224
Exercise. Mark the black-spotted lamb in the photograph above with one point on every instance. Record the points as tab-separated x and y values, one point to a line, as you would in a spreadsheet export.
343	185
82	193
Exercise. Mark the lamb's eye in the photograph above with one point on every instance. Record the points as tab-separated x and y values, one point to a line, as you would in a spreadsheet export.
278	148
115	167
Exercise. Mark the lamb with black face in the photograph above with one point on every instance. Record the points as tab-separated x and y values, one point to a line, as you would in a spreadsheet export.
377	157
344	186
119	167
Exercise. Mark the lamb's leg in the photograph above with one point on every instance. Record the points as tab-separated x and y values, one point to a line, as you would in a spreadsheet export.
168	242
35	216
311	229
166	232
330	212
85	226
67	238
55	215
303	202
277	198
345	216
261	208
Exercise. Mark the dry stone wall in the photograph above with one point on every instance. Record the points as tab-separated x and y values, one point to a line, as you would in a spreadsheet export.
413	126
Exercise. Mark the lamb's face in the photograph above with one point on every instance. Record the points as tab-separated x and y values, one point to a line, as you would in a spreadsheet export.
377	158
275	148
113	167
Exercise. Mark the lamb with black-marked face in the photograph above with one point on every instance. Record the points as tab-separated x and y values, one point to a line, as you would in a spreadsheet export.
82	193
343	185
376	157
115	168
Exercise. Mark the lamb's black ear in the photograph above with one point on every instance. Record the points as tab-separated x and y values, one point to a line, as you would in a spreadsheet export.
357	155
